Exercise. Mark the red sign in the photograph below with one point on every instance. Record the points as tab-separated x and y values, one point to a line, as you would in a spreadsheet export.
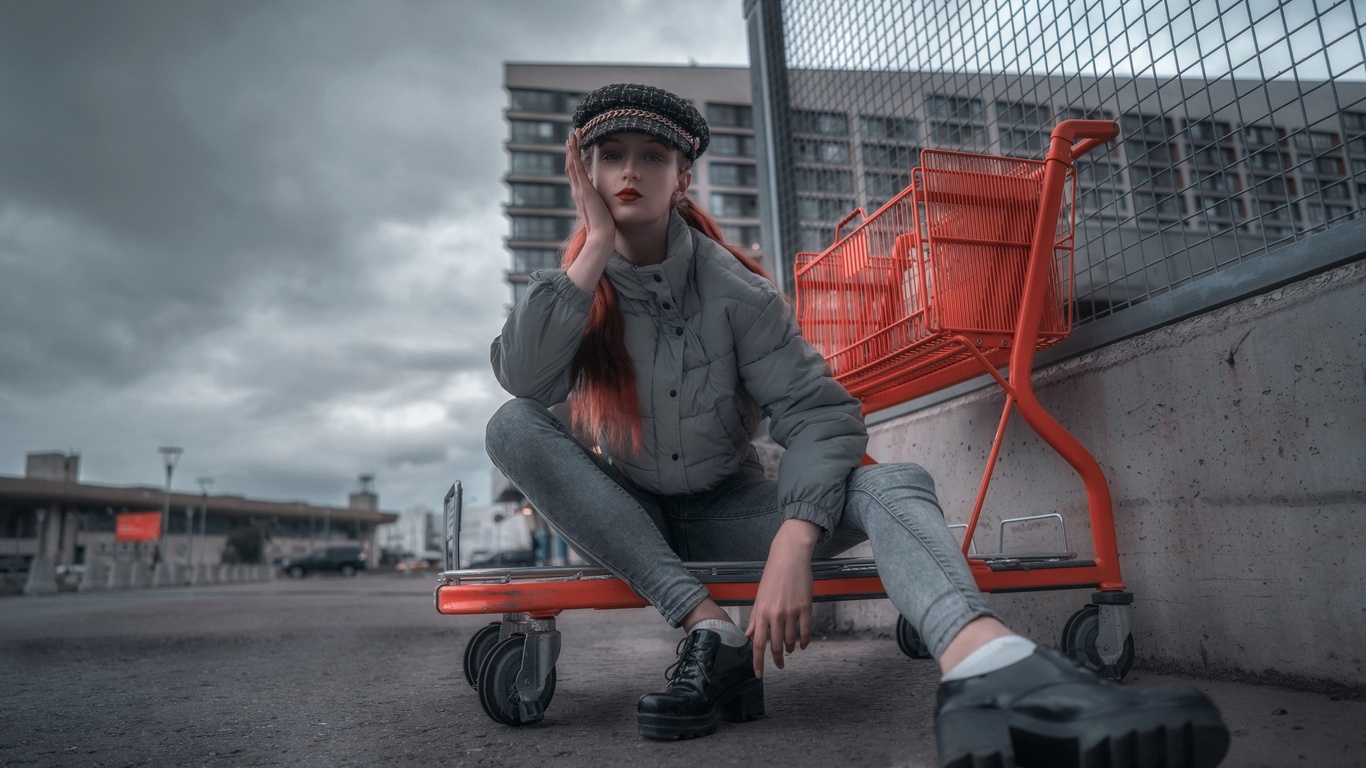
137	526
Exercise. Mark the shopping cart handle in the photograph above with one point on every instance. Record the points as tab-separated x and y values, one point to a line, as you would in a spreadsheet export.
848	218
1085	135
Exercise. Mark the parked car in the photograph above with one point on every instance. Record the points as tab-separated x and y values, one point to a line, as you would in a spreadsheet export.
344	560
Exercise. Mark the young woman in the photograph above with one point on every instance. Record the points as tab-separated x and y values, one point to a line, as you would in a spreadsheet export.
669	346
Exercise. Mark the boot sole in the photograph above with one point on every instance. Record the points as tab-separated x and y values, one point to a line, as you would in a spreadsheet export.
1189	736
746	702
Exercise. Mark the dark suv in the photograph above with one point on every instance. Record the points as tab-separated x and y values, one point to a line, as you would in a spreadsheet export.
343	560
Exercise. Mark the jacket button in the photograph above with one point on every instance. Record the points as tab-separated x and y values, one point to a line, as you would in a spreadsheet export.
673	393
675	457
658	279
667	305
678	331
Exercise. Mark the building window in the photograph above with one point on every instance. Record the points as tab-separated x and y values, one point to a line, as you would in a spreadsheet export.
541	196
541	227
1094	173
1101	198
539	132
1328	166
1020	113
1220	157
824	123
528	260
527	100
1274	187
809	151
890	155
743	235
957	134
1316	141
734	175
1082	113
1023	140
1140	149
727	145
954	107
885	185
1167	205
1259	136
1143	125
815	239
1208	130
823	180
875	127
823	208
730	115
1164	178
734	206
537	164
1219	182
1266	161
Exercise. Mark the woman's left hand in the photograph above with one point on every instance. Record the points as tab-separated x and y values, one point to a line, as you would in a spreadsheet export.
781	617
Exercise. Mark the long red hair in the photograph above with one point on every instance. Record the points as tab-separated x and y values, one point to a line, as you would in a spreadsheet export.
604	405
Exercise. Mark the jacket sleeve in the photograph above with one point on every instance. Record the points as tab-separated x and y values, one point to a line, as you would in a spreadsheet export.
531	357
811	414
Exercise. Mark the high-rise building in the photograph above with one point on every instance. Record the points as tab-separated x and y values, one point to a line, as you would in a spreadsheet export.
541	102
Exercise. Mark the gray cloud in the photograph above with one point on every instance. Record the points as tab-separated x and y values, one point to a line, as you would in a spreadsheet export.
271	232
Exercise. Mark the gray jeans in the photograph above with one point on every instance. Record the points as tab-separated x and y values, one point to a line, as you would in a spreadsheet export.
644	538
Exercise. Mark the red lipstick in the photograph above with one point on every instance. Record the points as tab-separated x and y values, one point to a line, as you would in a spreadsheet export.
628	195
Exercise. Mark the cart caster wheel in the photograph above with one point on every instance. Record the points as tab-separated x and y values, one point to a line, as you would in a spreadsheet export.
1079	643
478	647
909	641
498	682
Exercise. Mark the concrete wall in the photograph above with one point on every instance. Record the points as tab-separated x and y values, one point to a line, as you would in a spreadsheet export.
1235	444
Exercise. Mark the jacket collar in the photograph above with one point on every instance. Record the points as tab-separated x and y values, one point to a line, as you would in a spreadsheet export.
634	282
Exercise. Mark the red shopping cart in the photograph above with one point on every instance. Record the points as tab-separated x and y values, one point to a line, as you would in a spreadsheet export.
966	271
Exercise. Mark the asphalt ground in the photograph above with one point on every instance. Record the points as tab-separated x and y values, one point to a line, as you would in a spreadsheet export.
331	671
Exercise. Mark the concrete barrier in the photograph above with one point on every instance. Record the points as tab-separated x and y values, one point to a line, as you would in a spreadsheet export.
96	576
141	576
121	574
42	577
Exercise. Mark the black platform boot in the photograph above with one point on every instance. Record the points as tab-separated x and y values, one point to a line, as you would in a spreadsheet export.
709	680
1046	712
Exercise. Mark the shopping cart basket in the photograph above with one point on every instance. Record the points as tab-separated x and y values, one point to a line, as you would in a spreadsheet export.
966	271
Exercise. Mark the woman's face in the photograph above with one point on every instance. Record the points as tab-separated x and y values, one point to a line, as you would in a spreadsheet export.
638	177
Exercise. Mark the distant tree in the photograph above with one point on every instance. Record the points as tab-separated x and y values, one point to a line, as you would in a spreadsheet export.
244	545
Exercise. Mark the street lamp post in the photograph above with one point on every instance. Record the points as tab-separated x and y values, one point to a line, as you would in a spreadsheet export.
170	455
189	543
205	483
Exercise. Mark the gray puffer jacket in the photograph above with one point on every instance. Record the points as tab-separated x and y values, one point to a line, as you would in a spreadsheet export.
715	347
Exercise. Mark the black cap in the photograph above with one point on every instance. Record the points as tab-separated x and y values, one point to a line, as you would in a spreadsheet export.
624	107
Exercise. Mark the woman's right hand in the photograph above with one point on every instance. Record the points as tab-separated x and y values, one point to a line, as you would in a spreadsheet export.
597	220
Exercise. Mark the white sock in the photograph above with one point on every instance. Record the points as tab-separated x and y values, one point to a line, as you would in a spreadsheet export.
730	634
996	654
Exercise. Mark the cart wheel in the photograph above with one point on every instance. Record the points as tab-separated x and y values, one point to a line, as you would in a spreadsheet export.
1079	642
478	647
498	681
908	640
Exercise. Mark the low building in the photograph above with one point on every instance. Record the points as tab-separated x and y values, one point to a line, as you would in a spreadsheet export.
49	511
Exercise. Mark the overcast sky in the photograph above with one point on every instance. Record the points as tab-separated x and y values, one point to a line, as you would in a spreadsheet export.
271	232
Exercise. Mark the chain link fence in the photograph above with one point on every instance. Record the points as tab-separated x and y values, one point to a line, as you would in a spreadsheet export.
1243	123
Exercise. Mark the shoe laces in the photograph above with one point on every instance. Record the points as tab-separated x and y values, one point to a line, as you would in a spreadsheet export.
684	653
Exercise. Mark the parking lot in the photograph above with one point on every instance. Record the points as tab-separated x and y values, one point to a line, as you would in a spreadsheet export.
363	671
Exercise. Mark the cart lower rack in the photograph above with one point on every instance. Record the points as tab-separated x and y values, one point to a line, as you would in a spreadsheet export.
966	271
